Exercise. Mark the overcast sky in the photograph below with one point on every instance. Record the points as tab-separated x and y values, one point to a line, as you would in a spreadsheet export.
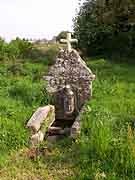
35	18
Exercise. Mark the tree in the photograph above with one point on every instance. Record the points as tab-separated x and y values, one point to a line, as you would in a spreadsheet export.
103	26
119	13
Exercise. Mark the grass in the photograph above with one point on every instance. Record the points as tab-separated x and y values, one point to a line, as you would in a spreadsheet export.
106	147
20	94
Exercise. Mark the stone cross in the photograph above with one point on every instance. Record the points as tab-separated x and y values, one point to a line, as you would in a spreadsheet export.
69	40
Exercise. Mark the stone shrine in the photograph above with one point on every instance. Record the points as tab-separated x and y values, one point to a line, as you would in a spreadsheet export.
70	85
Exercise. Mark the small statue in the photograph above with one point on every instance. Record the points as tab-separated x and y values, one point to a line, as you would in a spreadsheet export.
69	100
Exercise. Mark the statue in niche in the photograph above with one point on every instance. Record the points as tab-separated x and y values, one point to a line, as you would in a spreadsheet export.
70	83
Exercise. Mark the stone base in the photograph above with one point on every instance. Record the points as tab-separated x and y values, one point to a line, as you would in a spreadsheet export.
54	138
59	131
76	128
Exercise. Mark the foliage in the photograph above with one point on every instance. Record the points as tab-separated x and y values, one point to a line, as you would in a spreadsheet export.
20	94
23	47
15	49
119	13
48	52
106	147
105	28
23	90
51	55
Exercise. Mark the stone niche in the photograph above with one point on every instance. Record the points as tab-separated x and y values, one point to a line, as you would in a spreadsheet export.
70	84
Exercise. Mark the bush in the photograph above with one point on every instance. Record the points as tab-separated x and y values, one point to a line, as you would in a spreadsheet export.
15	49
3	47
35	54
23	47
50	55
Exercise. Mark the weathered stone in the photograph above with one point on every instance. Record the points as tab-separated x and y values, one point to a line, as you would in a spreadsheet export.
37	138
69	69
58	131
76	128
70	84
37	118
39	123
54	130
42	114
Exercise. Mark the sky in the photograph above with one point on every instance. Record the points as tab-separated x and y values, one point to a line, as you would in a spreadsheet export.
35	18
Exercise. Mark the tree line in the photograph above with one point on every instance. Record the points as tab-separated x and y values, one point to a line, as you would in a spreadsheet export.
106	27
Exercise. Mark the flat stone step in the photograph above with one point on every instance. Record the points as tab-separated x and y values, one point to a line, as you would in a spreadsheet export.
54	130
59	131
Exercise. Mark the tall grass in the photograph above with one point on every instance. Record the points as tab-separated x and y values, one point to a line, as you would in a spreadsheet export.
106	147
107	142
20	95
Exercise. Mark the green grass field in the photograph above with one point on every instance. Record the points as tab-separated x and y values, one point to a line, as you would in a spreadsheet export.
106	147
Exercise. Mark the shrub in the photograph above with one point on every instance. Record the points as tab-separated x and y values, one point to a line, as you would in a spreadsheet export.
15	49
50	55
23	47
3	54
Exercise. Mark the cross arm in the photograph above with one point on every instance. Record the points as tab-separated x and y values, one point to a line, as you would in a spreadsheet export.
63	41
